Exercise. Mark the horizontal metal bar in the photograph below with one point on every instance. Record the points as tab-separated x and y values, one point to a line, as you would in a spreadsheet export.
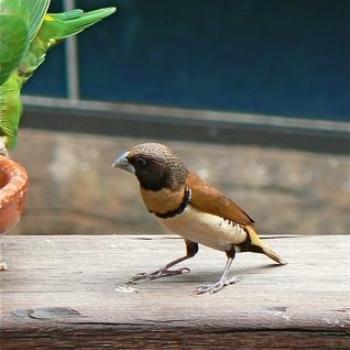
185	124
246	118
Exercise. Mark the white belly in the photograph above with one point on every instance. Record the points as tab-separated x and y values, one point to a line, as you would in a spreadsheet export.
207	229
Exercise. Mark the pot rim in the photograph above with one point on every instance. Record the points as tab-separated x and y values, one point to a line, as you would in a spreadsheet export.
15	180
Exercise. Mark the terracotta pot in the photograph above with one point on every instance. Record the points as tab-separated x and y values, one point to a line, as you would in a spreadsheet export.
13	193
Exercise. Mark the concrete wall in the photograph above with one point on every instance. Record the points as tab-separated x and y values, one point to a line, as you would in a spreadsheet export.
74	189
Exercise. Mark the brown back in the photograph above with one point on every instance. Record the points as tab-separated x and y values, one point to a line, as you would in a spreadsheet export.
210	200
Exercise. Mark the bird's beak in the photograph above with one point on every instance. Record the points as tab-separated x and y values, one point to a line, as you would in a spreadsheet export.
122	162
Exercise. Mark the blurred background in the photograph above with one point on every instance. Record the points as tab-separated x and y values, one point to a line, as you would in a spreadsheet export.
253	95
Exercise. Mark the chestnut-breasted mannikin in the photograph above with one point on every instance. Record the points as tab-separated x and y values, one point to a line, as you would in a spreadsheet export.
190	207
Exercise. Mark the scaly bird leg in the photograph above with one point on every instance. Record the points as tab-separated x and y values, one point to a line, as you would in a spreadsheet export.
191	251
3	149
223	281
3	152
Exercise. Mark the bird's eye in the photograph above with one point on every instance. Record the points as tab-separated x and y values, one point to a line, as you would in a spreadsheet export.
141	162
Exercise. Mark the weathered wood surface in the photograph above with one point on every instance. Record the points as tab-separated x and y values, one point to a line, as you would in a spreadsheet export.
305	304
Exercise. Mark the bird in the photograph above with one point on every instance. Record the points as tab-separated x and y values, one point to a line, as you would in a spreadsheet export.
188	206
27	33
20	21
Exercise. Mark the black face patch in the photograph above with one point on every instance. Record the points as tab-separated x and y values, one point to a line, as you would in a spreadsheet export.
155	173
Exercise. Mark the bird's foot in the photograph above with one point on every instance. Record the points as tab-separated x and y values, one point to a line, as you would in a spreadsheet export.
3	151
215	287
163	272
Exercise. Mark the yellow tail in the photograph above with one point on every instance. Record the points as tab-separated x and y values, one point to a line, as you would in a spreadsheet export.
262	248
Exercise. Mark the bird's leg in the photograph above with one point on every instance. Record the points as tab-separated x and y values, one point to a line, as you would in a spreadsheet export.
3	152
191	251
223	281
3	149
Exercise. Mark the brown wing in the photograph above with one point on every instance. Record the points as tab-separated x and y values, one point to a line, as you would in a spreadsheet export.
212	201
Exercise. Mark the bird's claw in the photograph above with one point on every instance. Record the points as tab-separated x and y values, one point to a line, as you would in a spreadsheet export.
210	288
164	273
215	287
157	274
4	152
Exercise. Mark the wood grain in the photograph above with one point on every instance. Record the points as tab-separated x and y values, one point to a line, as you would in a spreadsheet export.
61	290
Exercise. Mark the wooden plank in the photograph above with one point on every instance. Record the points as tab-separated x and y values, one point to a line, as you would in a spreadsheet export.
169	340
49	276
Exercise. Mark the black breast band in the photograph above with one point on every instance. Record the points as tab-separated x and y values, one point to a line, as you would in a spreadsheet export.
171	213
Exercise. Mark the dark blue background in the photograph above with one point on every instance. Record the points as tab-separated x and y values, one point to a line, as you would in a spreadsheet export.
275	57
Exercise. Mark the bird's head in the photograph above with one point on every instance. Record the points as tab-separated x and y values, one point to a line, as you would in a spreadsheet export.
155	166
